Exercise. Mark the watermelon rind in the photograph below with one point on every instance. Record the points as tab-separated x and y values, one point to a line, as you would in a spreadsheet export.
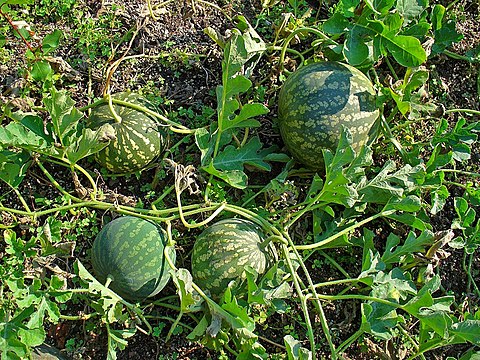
139	138
317	101
130	251
222	252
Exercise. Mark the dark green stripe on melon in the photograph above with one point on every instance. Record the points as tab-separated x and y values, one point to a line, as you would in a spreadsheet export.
223	250
139	138
316	101
130	250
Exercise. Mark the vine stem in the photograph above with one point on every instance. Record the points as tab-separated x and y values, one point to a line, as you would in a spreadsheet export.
462	172
468	271
15	28
336	282
173	125
334	263
116	117
217	211
318	305
361	297
349	341
303	301
68	163
344	231
458	56
289	38
21	198
78	317
467	111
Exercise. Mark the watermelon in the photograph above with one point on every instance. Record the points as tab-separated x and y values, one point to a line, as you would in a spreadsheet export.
317	101
130	251
223	250
138	137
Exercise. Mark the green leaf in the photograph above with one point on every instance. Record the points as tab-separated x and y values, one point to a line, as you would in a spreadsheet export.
90	142
390	183
295	351
239	312
409	203
108	299
204	143
445	36
379	320
355	49
411	220
439	197
14	166
254	45
51	41
407	50
190	301
244	118
64	115
32	337
227	164
436	16
410	9
381	6
347	7
35	124
393	252
431	319
235	178
416	80
41	71
16	135
232	158
117	339
337	24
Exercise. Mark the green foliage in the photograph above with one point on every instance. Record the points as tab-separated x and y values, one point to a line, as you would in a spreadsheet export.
219	158
388	198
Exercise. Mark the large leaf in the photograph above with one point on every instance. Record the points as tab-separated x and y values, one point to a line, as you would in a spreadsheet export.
14	166
394	252
64	115
88	143
410	9
390	183
235	178
232	158
218	158
468	330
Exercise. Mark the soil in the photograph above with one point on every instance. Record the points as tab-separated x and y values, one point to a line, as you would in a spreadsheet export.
182	64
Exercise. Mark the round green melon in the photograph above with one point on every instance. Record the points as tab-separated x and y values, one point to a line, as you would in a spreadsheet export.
138	138
130	251
223	250
319	99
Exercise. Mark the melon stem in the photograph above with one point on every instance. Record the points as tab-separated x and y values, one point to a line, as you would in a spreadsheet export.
116	117
109	280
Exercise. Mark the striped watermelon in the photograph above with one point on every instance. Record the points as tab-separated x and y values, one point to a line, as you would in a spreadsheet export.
223	250
131	251
138	138
317	101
